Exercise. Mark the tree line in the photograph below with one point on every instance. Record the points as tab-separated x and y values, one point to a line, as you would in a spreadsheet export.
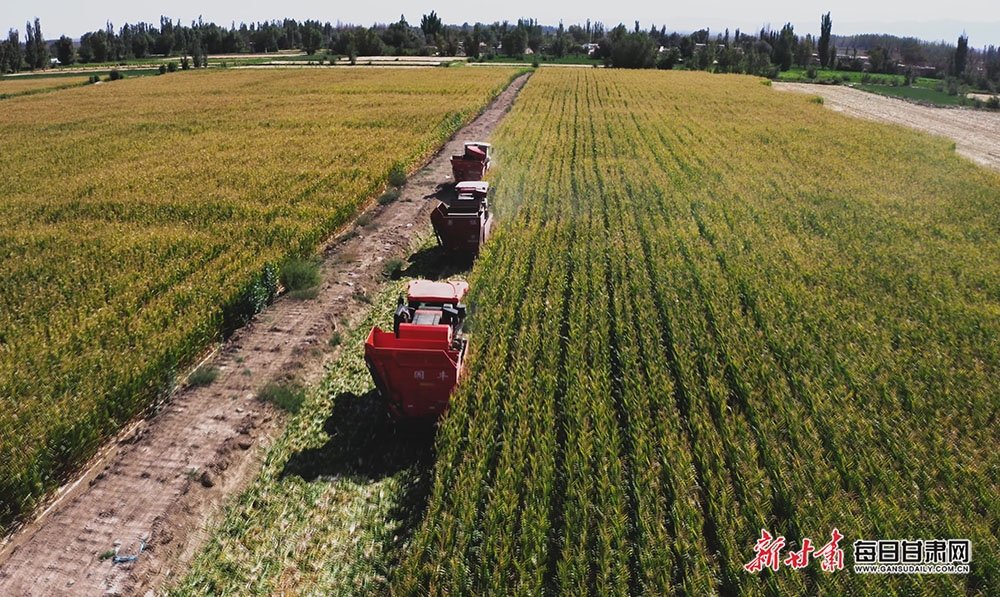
765	52
32	54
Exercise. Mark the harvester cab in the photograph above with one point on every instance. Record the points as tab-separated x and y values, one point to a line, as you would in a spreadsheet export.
416	366
463	224
472	192
473	163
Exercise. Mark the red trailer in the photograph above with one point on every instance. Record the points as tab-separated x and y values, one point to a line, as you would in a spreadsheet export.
463	224
416	366
473	163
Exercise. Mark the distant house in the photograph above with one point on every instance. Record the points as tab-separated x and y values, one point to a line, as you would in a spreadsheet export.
53	61
590	48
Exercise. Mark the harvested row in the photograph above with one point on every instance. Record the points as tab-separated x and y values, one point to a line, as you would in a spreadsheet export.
12	86
713	309
136	219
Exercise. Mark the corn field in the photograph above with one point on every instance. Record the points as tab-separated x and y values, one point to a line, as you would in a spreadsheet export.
133	214
712	309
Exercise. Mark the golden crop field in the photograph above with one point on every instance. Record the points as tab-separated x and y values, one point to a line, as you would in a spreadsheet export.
135	216
715	309
14	85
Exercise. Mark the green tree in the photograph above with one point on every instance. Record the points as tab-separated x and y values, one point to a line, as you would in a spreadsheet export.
825	26
726	58
579	34
560	43
784	49
430	25
116	50
469	44
367	42
686	47
14	54
402	37
879	58
911	51
515	42
93	47
312	39
197	54
634	50
140	45
41	48
29	46
64	50
165	41
804	51
84	53
533	33
447	42
668	60
961	55
706	56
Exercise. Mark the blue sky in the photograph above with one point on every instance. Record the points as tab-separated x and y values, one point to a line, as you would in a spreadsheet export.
932	20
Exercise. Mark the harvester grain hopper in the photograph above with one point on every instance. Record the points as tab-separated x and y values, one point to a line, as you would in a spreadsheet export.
463	224
473	163
417	364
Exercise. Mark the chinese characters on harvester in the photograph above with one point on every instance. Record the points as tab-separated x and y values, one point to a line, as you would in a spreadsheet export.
893	556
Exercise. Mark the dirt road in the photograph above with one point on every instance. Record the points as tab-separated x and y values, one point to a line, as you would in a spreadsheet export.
158	488
976	133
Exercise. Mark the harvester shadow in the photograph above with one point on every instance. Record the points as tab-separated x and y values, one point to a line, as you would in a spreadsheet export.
445	191
365	447
434	263
363	444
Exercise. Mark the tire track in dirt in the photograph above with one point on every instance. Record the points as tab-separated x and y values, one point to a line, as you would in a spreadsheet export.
976	133
164	482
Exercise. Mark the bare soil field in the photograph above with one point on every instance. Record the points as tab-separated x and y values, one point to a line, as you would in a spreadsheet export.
402	59
164	482
240	56
976	133
980	96
294	65
540	65
87	69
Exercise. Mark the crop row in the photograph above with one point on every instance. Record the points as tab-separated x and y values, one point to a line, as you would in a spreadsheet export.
13	86
713	308
132	214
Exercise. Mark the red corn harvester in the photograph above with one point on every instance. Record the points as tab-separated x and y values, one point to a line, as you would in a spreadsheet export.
417	364
463	224
473	163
